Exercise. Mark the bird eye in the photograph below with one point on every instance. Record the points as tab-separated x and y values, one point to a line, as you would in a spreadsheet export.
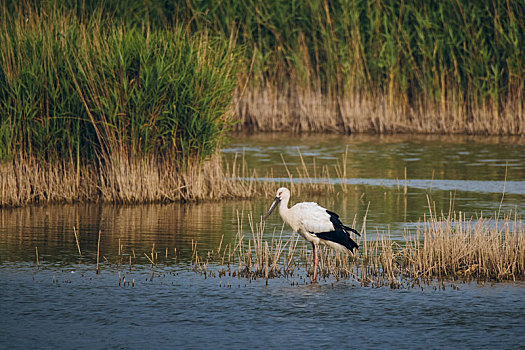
280	193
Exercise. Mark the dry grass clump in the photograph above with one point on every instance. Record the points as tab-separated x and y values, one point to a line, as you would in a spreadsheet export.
120	179
149	180
26	181
442	248
123	179
457	247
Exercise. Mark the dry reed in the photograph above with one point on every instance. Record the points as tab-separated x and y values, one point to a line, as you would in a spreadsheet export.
303	109
442	248
119	179
37	260
76	239
27	181
98	252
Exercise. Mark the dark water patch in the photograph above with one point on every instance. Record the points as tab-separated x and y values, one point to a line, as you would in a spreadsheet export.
186	310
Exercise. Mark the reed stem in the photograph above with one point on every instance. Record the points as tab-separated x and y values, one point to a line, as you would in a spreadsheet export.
98	251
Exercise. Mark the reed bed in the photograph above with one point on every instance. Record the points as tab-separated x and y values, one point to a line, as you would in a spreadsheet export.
127	103
365	66
443	248
28	180
304	109
76	74
82	89
376	66
475	248
120	180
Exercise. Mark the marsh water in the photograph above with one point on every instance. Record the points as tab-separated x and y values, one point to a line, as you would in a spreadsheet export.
59	301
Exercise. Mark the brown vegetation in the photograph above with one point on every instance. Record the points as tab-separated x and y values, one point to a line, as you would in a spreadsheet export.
305	110
120	179
25	181
443	247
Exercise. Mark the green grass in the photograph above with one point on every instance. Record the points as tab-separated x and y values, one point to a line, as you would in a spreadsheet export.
75	88
80	79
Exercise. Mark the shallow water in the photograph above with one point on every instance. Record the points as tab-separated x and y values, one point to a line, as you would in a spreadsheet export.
92	311
63	303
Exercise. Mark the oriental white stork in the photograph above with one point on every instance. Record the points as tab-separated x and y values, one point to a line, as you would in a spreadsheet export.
315	223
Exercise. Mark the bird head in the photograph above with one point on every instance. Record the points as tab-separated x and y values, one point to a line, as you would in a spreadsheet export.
282	194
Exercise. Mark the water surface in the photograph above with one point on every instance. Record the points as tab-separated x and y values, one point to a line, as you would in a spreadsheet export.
62	303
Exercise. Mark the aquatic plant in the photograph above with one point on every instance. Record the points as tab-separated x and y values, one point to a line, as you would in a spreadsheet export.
124	179
345	66
439	250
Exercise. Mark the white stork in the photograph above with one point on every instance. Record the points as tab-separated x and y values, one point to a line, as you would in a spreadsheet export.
315	223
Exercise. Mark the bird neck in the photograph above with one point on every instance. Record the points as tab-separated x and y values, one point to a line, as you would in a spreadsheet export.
283	207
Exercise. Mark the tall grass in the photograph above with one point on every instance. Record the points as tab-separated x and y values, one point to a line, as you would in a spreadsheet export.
72	87
124	179
361	65
380	66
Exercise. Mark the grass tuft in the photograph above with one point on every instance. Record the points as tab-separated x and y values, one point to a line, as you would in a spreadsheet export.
441	249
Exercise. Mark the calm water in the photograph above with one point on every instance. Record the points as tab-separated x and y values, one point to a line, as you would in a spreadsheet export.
63	303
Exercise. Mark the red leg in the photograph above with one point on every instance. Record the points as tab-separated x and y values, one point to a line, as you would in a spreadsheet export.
316	260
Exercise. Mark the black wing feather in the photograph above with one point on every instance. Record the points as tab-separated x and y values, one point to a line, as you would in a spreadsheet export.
340	233
339	236
334	218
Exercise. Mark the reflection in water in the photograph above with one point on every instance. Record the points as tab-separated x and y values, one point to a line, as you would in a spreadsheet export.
171	226
386	157
175	226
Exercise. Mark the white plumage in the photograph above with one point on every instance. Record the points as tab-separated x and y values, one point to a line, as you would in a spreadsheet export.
315	223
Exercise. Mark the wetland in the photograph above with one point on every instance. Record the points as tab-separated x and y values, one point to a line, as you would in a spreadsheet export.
131	302
128	221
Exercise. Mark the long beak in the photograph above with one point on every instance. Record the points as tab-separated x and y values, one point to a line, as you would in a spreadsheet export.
274	205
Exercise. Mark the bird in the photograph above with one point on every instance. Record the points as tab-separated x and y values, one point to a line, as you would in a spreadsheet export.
315	224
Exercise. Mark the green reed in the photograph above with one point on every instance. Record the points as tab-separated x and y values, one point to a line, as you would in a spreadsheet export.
413	52
441	52
78	78
71	88
459	60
